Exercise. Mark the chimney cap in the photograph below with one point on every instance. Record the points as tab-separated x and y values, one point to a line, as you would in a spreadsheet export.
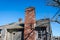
30	8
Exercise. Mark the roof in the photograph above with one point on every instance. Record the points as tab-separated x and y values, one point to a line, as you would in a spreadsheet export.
43	22
21	25
12	25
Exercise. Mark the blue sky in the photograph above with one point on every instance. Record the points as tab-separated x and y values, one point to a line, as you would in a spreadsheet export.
12	10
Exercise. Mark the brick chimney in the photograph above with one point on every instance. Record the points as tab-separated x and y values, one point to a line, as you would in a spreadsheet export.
29	32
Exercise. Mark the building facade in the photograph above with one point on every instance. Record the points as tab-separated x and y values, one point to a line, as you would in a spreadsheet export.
43	28
31	29
13	31
56	38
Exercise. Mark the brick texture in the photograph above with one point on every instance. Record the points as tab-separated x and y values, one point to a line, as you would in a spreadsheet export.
29	32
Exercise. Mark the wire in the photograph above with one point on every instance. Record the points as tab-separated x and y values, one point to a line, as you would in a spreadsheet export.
56	17
56	14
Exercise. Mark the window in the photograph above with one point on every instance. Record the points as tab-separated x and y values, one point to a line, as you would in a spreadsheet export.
39	34
0	36
13	33
0	31
21	25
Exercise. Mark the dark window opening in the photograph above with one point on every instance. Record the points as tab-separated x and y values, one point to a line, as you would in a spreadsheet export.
0	36
39	34
13	33
41	31
21	25
40	28
44	38
0	31
43	28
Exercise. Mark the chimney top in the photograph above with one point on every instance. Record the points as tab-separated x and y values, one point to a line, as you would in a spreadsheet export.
30	8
